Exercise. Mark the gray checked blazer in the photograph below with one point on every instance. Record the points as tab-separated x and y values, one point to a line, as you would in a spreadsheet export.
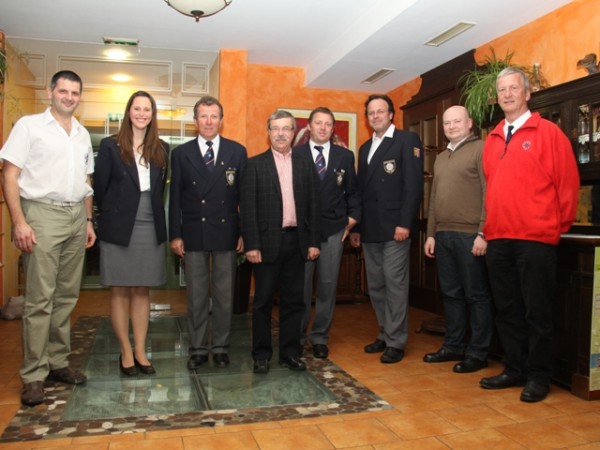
261	207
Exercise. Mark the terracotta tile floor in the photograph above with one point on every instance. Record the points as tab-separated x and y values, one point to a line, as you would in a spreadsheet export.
434	408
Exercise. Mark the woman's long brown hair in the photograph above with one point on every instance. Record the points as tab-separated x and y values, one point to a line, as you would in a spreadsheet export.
153	151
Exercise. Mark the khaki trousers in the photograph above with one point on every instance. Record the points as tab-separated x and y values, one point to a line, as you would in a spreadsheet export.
52	282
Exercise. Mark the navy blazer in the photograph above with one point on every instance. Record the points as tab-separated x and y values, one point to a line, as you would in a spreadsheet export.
338	189
204	204
391	186
261	205
117	194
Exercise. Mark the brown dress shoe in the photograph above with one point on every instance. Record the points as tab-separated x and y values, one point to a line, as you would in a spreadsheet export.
67	375
33	393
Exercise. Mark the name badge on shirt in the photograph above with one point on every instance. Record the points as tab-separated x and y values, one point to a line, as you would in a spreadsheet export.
230	176
339	177
389	166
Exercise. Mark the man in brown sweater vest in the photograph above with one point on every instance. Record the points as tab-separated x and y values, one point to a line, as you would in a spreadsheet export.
454	238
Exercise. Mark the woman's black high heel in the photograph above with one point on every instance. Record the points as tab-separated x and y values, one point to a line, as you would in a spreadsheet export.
148	370
129	371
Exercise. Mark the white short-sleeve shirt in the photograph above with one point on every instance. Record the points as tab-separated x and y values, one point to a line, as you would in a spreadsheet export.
54	165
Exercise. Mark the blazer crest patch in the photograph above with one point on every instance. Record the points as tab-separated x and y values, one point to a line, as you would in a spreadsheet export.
389	166
416	152
230	176
339	177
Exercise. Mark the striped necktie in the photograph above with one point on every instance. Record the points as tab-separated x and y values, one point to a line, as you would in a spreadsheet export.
209	156
320	162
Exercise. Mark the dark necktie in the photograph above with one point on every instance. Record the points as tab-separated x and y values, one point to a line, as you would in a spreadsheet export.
209	156
320	162
509	134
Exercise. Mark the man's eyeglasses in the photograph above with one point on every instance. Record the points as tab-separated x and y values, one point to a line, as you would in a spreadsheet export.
277	130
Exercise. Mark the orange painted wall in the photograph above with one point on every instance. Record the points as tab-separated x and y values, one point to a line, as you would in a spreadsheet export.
233	68
556	41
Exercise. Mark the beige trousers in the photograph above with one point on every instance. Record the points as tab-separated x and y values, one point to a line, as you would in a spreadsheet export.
52	283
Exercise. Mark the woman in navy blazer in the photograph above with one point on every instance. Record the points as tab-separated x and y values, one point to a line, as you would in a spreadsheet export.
129	183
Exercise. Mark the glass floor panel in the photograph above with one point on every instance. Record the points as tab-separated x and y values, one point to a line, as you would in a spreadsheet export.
175	389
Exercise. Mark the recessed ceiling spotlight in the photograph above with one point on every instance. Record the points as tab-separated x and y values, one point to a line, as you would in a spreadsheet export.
450	33
377	76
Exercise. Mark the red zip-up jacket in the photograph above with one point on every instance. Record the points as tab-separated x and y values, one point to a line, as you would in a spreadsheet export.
532	183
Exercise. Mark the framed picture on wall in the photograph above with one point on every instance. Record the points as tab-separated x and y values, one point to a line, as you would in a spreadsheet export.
343	135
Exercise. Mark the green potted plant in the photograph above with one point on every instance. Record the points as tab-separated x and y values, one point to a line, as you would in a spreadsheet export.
478	87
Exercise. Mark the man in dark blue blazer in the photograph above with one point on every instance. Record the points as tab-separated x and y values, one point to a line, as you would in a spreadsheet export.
280	225
390	179
340	211
204	229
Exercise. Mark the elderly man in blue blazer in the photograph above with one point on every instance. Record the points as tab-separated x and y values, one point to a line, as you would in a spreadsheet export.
204	229
340	211
280	225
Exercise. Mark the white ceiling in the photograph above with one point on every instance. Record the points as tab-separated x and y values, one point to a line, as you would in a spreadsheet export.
338	42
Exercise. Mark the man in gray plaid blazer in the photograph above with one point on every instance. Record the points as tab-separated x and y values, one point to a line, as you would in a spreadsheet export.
280	213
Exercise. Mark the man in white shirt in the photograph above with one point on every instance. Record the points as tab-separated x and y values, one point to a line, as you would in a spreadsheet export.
48	160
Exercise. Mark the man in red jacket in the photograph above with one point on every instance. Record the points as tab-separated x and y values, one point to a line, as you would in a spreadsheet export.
531	198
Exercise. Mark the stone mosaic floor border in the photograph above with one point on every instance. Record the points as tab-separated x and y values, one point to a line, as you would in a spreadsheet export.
44	421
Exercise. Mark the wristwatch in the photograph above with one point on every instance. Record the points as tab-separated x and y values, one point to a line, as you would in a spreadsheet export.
480	233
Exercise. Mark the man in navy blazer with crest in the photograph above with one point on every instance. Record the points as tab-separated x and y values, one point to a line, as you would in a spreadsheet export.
340	211
204	229
390	179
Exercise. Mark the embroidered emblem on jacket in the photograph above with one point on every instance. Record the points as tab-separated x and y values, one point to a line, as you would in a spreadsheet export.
339	177
230	176
416	152
389	166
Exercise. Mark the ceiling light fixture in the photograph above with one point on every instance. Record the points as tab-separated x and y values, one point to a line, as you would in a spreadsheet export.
198	8
377	76
450	33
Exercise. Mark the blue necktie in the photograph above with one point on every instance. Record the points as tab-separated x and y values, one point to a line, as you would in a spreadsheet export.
320	162
509	134
209	157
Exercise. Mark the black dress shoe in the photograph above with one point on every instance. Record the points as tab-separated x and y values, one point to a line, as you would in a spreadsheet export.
469	364
320	351
195	361
375	347
442	355
129	371
292	362
148	370
501	381
221	360
534	392
391	355
261	366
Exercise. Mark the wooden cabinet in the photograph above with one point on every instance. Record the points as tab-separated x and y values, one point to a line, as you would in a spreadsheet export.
575	107
573	315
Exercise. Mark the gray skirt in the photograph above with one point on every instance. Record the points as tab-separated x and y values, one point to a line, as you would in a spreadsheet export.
142	263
